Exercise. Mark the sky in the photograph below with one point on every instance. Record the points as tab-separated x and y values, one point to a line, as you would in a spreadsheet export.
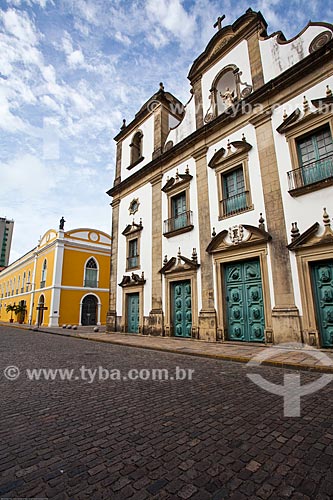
71	70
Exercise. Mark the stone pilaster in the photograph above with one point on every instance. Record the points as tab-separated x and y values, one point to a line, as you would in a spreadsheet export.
255	61
111	318
156	323
117	178
207	315
161	129
285	315
197	91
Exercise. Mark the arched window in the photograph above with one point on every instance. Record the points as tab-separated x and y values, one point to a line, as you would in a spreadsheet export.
13	286
23	282
227	89
18	285
136	148
90	273
44	269
29	281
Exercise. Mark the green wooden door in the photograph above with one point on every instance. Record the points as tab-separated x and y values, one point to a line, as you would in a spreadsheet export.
133	312
322	274
182	308
244	298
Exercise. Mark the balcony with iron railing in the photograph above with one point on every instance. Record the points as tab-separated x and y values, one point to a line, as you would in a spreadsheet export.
133	262
91	283
314	175
234	204
181	223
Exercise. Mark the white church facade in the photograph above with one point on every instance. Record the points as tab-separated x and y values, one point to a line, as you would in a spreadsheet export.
221	207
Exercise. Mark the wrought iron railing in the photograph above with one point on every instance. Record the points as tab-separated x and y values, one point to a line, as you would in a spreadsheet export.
91	283
311	173
234	204
132	262
182	220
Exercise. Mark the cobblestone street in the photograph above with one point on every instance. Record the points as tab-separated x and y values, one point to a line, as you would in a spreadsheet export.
213	437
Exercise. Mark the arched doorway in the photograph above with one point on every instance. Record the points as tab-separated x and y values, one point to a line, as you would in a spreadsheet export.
40	310
89	310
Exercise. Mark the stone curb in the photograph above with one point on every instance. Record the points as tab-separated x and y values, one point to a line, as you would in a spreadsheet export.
237	359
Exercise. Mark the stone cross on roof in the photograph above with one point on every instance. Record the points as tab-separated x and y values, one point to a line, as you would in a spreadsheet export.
218	23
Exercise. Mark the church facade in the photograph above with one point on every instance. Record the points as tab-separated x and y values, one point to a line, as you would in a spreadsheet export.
221	207
63	280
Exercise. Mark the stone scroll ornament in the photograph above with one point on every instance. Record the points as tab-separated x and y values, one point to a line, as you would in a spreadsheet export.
320	40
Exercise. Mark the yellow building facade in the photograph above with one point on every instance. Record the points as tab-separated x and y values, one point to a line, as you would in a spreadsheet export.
63	280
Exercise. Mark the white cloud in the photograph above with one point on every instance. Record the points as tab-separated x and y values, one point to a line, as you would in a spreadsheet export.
75	59
122	38
19	25
172	16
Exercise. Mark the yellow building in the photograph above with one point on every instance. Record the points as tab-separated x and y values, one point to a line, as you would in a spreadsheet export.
63	280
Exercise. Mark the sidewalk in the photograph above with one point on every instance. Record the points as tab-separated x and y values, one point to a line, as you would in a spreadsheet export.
300	358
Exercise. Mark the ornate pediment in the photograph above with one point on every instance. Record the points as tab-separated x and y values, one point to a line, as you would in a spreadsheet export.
180	263
177	181
321	105
237	236
310	237
132	280
234	149
223	40
132	228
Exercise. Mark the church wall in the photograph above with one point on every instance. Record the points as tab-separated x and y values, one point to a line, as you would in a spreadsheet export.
250	217
186	241
145	213
307	208
239	56
147	129
278	57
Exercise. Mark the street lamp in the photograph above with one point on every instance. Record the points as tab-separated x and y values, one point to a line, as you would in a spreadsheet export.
33	286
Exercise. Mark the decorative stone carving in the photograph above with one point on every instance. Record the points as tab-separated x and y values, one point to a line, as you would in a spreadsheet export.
320	40
134	206
236	234
177	181
132	280
310	238
180	263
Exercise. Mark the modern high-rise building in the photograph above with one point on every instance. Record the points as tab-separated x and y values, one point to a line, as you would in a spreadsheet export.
6	232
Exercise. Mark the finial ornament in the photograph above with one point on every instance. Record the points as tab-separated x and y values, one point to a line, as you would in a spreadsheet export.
123	125
261	222
305	105
165	260
285	115
294	231
214	232
328	91
187	170
243	137
194	255
218	23
228	145
161	87
177	175
326	218
62	223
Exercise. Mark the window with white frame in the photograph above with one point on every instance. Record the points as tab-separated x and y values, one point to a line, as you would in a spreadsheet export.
91	273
